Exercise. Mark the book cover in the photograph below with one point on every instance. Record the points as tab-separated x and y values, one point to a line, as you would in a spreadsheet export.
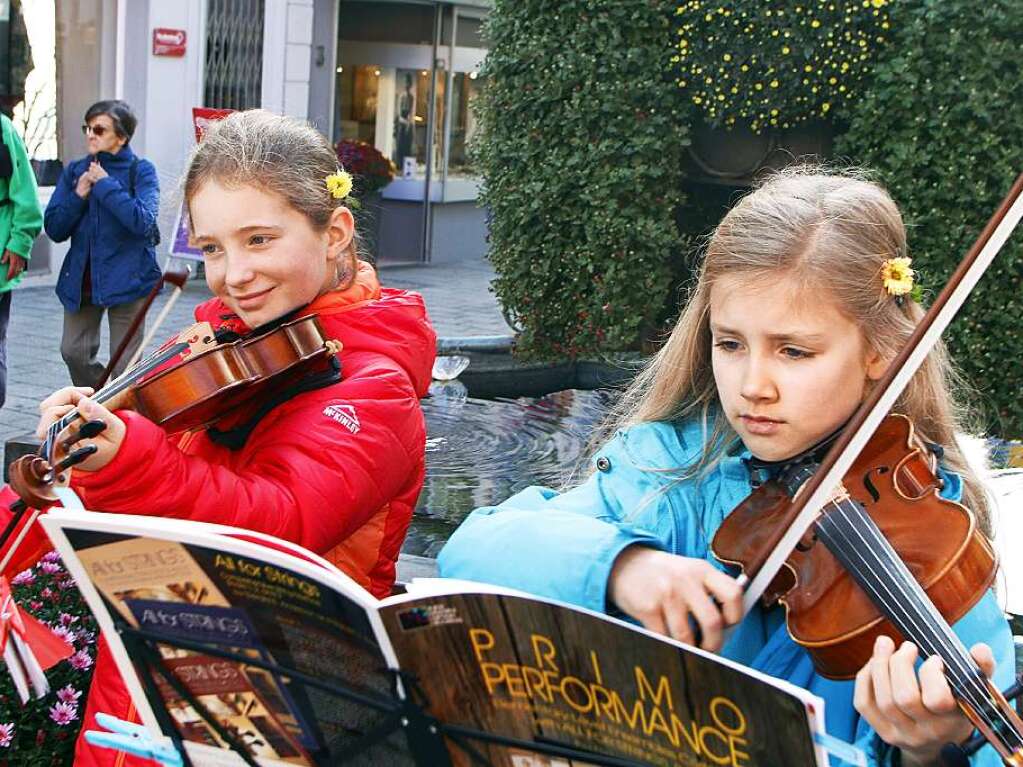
264	647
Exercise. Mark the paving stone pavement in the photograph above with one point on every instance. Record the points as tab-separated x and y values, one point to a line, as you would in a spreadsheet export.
457	297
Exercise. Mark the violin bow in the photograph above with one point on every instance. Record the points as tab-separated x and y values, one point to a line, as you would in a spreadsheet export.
177	278
840	457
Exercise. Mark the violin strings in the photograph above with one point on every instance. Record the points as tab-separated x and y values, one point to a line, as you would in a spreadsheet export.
928	644
909	588
973	673
114	387
961	663
905	618
925	602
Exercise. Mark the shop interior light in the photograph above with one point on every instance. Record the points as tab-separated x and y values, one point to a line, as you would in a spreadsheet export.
473	75
376	72
340	70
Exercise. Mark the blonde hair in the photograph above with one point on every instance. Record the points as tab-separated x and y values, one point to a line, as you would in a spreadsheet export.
830	232
274	153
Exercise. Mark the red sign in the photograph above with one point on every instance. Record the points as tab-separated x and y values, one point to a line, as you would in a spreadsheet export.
168	42
203	116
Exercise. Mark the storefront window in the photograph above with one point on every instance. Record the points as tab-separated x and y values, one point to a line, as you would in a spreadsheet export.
465	87
358	87
385	76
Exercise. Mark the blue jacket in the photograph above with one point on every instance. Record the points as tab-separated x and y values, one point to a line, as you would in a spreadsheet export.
562	546
111	229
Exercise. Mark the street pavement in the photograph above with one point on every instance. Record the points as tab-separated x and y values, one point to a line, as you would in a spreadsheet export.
457	297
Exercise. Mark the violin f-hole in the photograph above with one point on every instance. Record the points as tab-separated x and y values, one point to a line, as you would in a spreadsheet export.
868	483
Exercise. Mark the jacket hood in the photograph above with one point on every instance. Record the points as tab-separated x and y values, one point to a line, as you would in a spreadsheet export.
364	317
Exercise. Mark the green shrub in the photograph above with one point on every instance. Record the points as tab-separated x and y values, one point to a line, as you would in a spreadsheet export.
580	150
942	125
583	133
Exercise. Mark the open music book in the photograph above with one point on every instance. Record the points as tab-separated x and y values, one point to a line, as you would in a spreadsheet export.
231	641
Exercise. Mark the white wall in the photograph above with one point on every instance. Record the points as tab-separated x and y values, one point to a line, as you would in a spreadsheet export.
172	86
287	56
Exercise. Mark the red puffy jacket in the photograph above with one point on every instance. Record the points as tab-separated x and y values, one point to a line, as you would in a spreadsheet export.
336	470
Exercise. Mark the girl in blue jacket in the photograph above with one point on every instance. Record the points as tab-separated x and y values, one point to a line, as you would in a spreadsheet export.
107	203
803	298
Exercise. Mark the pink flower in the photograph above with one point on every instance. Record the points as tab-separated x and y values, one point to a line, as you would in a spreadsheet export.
81	660
6	734
66	619
50	567
24	578
35	605
50	556
65	583
64	633
63	713
69	695
47	593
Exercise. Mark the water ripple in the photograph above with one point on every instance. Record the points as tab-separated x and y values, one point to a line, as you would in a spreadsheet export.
480	452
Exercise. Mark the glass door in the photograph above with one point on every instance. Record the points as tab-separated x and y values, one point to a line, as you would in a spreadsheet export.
390	94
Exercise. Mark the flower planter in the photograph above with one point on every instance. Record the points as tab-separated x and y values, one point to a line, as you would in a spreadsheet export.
735	156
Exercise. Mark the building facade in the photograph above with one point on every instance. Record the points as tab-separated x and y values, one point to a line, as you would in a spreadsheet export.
399	75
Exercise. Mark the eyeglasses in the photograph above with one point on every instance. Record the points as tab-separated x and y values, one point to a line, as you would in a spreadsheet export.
95	130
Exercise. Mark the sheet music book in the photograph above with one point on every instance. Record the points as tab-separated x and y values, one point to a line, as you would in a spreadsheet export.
254	629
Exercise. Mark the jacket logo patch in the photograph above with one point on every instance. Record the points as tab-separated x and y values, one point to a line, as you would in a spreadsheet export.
344	415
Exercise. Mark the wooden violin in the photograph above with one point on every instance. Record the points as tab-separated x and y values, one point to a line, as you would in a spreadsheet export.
845	584
189	383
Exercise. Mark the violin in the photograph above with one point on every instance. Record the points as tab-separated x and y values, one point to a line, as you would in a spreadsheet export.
191	382
862	544
888	556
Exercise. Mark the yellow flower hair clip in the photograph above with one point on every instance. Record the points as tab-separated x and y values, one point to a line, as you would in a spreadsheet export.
339	184
897	276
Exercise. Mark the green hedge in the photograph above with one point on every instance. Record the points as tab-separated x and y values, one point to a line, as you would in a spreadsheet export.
588	110
580	150
942	123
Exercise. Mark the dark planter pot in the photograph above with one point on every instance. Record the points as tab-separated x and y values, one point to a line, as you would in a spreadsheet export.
734	156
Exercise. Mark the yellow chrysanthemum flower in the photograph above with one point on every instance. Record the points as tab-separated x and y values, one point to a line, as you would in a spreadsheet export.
339	184
897	276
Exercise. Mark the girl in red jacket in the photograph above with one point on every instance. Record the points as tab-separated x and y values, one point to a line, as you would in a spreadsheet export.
336	469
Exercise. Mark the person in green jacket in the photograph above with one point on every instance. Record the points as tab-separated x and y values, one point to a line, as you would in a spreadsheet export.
21	218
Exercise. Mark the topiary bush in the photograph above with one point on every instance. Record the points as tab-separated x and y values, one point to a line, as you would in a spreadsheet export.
941	124
579	147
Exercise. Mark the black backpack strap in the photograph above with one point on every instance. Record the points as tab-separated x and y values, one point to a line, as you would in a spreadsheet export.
235	439
132	172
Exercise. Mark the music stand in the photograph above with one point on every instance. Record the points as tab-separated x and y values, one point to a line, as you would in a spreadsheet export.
425	733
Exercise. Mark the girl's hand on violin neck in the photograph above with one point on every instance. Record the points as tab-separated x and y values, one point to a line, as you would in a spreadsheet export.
62	402
663	590
917	715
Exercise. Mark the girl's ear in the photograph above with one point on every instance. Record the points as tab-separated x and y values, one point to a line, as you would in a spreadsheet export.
340	231
877	365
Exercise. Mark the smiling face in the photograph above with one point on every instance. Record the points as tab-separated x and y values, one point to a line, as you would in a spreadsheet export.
789	367
264	258
102	137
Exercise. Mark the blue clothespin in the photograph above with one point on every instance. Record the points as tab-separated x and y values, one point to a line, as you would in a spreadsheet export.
133	739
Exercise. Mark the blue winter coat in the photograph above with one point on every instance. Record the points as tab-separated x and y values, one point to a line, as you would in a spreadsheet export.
562	546
111	228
